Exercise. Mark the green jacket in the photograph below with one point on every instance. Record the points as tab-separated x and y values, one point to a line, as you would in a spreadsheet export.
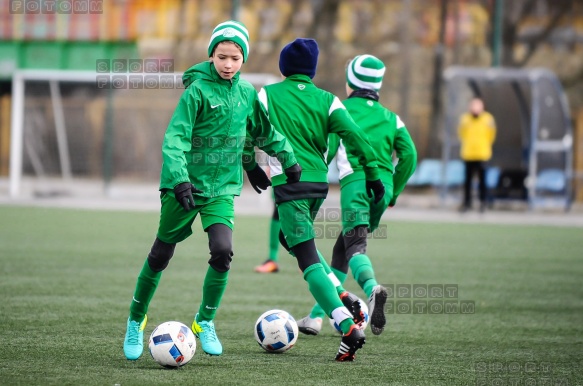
306	115
389	134
214	120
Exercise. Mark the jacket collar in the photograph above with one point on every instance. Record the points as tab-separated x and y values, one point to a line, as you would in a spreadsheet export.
365	93
299	78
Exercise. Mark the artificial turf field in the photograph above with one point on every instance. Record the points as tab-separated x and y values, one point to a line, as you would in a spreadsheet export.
67	277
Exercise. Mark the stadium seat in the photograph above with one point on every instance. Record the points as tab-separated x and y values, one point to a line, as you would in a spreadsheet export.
492	177
551	180
428	173
455	173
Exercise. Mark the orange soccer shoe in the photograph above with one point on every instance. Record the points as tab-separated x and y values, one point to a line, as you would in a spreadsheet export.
269	266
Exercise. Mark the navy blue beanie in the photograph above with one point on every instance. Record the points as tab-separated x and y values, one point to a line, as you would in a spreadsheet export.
299	57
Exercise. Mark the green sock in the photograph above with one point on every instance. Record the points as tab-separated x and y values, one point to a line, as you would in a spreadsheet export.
317	311
363	273
345	325
341	276
323	291
330	274
213	289
274	228
145	287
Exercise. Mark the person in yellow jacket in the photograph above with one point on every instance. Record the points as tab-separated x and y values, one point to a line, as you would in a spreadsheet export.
476	132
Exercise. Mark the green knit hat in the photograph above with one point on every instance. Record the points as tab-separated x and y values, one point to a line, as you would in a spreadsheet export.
233	31
365	71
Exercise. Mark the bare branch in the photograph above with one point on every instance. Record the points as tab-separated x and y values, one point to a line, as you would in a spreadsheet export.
573	80
533	45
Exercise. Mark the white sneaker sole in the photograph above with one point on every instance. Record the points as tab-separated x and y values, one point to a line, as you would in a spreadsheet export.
309	330
376	307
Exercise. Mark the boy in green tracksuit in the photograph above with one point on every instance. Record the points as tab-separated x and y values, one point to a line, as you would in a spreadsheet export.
306	115
360	214
217	115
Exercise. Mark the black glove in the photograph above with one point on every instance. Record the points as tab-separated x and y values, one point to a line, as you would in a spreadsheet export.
183	193
293	173
258	179
377	188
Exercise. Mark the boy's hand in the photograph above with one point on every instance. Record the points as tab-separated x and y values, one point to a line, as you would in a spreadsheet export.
183	193
293	173
377	188
258	179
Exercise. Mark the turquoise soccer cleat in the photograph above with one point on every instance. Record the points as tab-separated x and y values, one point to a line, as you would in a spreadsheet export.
205	331
133	344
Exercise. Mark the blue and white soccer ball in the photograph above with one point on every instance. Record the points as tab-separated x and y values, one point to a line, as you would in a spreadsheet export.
276	331
172	344
363	307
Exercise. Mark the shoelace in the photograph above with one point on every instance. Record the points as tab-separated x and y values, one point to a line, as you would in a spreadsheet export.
211	333
134	333
209	330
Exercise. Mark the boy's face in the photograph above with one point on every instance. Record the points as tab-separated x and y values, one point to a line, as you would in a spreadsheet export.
227	59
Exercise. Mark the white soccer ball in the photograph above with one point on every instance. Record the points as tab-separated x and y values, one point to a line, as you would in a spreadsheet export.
363	307
172	344
276	331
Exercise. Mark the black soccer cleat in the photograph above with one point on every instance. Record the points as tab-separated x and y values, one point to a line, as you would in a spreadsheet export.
351	302
350	343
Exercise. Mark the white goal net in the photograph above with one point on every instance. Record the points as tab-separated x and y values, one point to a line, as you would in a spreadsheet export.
68	127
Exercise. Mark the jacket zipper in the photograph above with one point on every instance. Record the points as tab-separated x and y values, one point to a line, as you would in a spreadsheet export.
221	151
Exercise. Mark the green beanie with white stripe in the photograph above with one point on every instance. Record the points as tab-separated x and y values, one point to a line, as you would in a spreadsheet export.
365	72
233	31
